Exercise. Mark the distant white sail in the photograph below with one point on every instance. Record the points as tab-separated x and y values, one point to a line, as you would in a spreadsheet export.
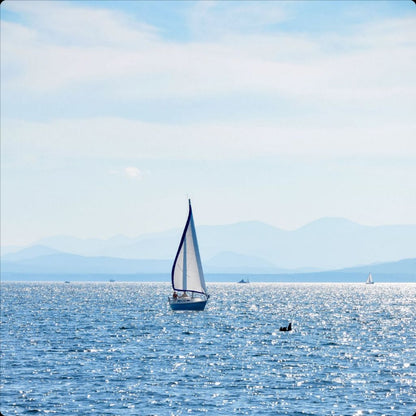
187	273
369	279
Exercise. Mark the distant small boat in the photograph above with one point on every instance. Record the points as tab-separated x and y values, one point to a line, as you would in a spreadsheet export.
188	283
369	280
244	281
67	281
111	280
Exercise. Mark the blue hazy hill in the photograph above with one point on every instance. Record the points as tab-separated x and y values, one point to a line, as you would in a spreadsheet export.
405	266
248	247
229	262
29	253
80	268
66	263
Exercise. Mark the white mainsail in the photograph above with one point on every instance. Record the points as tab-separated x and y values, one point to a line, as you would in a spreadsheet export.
369	279
187	273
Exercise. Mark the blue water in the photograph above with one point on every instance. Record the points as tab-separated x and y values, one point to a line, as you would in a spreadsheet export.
116	349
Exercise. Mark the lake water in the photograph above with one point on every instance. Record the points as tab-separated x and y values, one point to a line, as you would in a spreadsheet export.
116	349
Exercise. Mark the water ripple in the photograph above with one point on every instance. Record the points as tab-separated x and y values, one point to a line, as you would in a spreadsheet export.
116	349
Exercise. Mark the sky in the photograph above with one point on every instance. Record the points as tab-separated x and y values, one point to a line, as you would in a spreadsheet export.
113	113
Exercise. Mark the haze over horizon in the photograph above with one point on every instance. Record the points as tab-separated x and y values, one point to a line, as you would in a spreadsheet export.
326	244
113	113
179	228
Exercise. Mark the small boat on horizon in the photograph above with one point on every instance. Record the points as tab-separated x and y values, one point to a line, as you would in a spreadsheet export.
369	280
188	283
244	281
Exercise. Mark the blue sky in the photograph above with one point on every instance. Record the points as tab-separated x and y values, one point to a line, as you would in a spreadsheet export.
283	112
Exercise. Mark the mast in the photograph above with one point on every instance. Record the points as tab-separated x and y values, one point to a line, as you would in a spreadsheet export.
184	266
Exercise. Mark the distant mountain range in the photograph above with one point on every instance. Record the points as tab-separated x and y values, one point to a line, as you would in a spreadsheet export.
65	263
249	247
58	266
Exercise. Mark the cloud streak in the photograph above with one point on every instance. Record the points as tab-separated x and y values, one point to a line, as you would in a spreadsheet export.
349	84
52	54
133	172
109	138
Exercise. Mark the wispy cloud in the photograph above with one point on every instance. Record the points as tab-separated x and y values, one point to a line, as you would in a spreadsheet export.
349	83
66	24
107	138
50	53
133	172
216	19
129	172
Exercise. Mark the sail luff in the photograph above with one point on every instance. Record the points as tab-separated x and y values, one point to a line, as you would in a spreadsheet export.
180	248
185	268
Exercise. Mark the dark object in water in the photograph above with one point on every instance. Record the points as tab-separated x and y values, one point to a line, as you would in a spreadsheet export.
286	328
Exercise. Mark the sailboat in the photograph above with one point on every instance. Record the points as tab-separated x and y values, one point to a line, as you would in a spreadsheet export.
188	284
369	280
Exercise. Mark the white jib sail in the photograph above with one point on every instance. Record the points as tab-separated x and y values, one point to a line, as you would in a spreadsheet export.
187	271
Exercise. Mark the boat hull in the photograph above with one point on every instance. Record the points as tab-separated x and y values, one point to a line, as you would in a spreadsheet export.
188	305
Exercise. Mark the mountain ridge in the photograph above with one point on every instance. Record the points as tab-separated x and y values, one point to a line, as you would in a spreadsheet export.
80	268
324	244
